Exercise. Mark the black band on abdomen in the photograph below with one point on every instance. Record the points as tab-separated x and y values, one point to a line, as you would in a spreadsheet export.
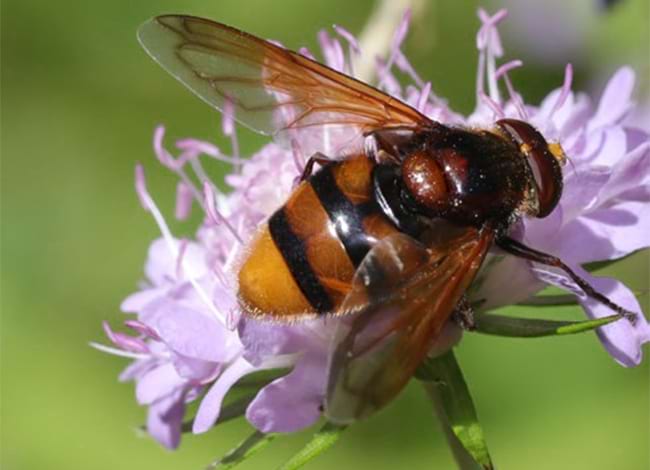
346	216
293	251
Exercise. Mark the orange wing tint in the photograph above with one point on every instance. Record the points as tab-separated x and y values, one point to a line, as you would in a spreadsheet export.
272	89
413	290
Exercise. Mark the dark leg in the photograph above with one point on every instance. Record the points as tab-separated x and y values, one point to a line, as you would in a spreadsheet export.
522	251
386	145
309	167
463	315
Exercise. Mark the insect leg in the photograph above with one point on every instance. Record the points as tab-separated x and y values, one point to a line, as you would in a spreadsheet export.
463	315
387	145
522	251
309	166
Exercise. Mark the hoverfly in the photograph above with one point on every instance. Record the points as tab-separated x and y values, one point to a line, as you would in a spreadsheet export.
389	234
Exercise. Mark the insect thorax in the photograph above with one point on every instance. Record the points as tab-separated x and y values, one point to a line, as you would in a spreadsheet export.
466	177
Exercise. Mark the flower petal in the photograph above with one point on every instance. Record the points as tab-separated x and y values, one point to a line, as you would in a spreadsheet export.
138	301
292	402
210	406
581	191
194	334
630	172
612	150
606	234
622	339
165	418
160	264
195	370
158	383
615	101
163	266
507	281
137	369
263	339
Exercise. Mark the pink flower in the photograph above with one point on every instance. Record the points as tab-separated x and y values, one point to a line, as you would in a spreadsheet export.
604	212
191	341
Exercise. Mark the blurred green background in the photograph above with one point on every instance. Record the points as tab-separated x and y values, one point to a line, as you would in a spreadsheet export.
79	102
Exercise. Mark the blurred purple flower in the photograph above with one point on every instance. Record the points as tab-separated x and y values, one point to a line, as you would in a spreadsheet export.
190	341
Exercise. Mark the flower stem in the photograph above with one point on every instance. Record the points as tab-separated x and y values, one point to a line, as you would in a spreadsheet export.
452	402
375	39
461	456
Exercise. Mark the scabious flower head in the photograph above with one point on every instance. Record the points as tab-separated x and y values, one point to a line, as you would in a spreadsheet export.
190	341
603	213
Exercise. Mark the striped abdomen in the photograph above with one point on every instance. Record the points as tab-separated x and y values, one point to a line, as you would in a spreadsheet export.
305	257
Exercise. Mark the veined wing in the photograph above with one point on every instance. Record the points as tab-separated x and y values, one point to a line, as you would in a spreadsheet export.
271	88
413	289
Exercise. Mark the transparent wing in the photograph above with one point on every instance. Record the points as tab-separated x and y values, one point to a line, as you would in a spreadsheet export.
412	291
272	89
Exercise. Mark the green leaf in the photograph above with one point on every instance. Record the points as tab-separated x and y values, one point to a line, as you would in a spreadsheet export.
247	448
502	325
260	379
544	300
444	382
231	411
251	384
598	265
319	443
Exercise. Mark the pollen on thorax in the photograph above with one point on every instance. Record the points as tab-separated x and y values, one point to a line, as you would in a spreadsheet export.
558	152
525	149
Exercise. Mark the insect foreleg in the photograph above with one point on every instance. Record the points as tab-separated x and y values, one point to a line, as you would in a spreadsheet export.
309	166
388	145
522	251
463	315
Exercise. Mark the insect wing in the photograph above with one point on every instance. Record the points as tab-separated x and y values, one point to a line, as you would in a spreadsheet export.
412	291
271	89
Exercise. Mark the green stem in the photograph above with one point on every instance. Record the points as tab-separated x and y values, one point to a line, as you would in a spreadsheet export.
231	411
446	386
463	459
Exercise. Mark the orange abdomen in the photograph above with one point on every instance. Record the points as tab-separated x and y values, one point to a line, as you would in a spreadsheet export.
304	259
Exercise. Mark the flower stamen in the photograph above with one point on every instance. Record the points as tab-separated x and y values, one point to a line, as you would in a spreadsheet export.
150	206
566	89
143	329
493	105
116	351
215	216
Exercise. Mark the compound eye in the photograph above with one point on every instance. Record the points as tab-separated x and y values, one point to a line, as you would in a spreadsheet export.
542	161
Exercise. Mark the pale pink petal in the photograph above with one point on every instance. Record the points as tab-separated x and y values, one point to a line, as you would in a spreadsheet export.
613	149
157	384
615	101
138	368
622	339
630	172
210	406
507	281
613	233
137	301
278	408
195	370
161	263
581	191
263	339
164	419
193	333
